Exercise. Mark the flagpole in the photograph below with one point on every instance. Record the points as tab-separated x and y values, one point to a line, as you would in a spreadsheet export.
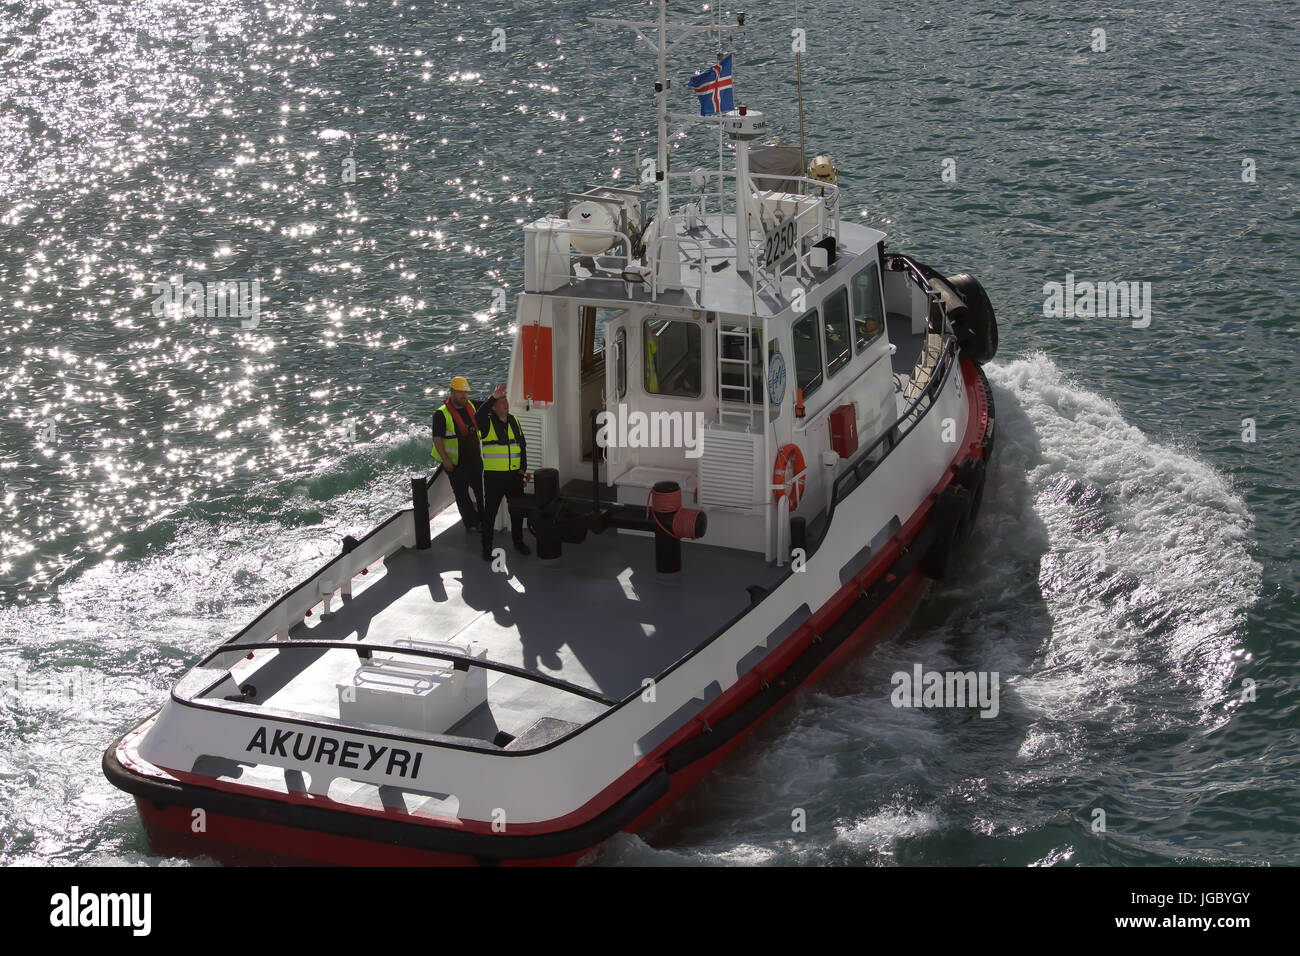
722	202
662	171
722	164
798	71
661	26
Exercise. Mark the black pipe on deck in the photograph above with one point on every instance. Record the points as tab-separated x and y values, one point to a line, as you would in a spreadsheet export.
556	520
595	462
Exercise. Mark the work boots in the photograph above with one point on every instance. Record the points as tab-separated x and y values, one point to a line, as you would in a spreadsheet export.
520	546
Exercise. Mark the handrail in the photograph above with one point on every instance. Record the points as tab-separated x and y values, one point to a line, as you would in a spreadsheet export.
802	267
731	174
652	261
808	181
825	214
918	277
937	378
343	645
812	222
350	556
802	180
719	191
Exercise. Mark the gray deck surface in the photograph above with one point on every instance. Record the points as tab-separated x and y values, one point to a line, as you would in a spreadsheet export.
909	346
600	616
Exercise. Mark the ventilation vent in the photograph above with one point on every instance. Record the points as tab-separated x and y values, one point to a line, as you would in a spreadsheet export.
534	428
730	470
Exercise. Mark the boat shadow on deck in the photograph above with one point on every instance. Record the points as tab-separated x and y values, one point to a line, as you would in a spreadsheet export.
599	617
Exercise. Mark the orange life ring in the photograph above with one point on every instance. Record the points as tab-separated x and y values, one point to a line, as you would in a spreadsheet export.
789	463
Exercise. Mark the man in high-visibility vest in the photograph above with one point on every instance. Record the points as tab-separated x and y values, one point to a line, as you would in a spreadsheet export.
505	459
456	445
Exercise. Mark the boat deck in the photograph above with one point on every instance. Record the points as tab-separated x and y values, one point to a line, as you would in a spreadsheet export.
599	617
908	343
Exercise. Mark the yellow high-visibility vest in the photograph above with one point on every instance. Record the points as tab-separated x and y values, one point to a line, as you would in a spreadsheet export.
451	440
651	364
502	455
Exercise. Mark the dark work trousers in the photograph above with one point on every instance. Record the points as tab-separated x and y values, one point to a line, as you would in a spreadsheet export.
496	486
467	479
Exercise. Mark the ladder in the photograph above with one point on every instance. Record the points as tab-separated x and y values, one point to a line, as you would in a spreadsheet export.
736	401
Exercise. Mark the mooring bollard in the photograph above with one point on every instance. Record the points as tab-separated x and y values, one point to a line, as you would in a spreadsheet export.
420	505
672	522
546	489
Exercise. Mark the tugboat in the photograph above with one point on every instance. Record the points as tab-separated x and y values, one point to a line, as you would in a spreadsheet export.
754	437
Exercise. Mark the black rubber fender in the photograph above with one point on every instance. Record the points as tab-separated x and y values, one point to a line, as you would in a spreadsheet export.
971	474
986	445
951	513
974	322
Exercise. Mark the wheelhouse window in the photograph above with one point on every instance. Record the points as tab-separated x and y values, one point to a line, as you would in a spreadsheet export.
807	354
868	313
593	323
839	349
672	357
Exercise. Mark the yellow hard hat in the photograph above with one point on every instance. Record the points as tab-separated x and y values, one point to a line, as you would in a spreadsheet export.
823	170
460	384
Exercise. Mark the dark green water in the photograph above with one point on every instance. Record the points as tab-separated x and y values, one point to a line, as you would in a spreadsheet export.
1135	564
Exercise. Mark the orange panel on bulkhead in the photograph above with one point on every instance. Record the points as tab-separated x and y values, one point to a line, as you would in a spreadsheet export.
539	384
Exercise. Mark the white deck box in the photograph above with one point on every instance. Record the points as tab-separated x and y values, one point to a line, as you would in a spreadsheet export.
415	693
546	254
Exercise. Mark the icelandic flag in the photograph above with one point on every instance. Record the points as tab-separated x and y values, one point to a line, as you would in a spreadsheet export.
713	87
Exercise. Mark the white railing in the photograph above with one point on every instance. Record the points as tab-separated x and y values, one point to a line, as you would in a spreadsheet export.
782	505
652	261
818	221
708	194
703	195
394	534
814	223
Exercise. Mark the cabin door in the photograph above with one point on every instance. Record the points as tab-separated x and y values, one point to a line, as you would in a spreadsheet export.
620	356
591	372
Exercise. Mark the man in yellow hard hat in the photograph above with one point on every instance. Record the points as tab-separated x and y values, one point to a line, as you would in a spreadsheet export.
456	445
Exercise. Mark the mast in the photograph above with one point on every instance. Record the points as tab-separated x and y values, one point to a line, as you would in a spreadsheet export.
661	105
743	125
661	27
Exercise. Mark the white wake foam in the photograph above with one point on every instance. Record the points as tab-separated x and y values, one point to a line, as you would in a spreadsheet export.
1107	581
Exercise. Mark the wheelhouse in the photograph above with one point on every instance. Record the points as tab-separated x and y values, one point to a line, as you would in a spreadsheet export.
817	355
